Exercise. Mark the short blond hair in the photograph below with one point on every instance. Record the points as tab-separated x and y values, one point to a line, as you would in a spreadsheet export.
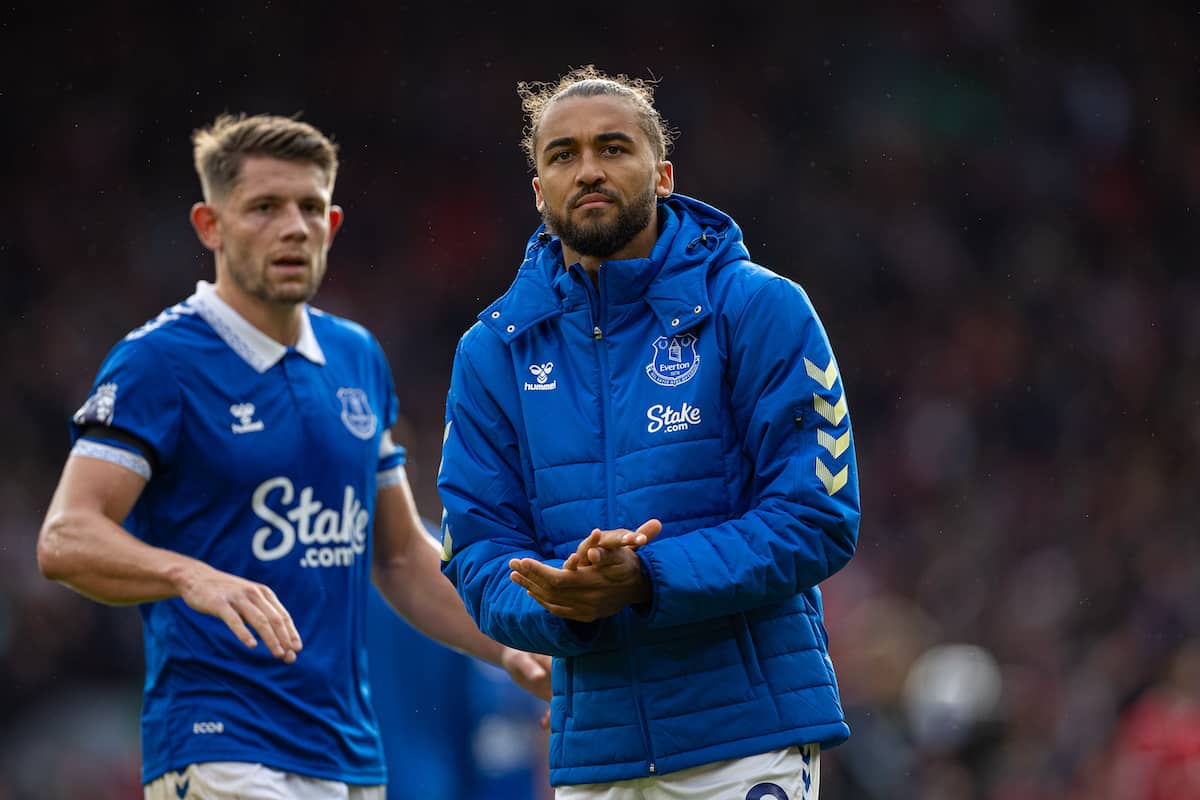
219	149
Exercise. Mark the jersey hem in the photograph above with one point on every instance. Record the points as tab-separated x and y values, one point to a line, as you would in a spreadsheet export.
366	777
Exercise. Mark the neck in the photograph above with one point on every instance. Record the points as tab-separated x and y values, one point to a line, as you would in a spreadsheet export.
280	321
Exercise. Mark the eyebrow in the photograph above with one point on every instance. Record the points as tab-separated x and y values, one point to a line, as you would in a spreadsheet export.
275	197
601	138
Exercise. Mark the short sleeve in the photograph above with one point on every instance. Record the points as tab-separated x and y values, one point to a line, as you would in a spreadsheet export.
136	397
392	456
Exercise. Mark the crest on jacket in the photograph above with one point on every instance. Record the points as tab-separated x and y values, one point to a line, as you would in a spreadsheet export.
674	361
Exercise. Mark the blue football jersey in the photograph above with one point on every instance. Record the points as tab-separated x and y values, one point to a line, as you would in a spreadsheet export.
263	461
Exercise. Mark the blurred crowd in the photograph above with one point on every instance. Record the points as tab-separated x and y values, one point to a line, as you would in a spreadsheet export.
992	204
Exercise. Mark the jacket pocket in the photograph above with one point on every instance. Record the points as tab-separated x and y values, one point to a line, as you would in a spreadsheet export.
569	686
820	635
747	648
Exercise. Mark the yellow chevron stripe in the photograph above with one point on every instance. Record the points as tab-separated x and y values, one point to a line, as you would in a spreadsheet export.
832	482
825	377
835	446
834	413
447	544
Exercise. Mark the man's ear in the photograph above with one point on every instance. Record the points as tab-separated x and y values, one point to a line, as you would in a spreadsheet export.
666	179
204	221
336	215
539	202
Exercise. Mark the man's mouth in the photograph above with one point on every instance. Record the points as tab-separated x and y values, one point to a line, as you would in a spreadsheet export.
593	200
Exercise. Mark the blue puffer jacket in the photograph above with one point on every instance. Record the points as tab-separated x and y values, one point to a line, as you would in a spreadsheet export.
695	387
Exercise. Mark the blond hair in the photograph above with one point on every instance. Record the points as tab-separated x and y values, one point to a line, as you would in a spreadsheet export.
219	149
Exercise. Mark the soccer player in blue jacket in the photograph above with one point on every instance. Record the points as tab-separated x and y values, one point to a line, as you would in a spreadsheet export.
648	469
233	473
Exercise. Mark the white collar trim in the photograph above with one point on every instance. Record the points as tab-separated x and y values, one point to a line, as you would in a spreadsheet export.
256	348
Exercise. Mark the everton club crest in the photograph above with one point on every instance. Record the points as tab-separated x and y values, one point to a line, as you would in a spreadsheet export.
675	360
356	412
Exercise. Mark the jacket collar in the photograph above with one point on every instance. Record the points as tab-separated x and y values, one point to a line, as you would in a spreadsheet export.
672	281
257	349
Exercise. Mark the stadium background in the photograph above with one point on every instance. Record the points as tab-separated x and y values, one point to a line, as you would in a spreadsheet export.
992	204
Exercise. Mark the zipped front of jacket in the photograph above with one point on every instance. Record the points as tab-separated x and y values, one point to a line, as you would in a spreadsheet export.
598	300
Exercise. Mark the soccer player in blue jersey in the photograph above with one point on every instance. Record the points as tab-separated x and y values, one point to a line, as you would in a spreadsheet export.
233	473
648	468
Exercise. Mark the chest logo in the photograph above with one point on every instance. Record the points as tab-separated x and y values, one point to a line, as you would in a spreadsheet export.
675	359
666	418
246	423
356	412
541	372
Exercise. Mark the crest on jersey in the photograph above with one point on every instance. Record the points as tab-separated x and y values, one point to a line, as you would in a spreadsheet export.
356	412
98	409
675	359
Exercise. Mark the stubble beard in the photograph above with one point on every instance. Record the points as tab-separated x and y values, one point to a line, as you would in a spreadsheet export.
599	239
258	284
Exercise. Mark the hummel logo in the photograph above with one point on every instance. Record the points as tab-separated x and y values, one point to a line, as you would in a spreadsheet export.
542	373
181	789
246	422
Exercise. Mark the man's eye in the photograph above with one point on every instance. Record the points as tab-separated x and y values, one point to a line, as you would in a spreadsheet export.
613	150
561	155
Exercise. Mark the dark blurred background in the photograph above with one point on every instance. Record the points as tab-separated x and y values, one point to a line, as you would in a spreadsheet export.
992	205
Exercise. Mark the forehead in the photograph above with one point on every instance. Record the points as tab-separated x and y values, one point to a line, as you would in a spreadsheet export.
582	118
267	175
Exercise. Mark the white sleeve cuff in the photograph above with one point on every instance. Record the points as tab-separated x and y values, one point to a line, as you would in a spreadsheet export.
116	455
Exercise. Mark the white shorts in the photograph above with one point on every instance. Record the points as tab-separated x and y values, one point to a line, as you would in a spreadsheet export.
237	780
791	774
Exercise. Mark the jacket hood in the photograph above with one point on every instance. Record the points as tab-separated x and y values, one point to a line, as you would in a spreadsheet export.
695	239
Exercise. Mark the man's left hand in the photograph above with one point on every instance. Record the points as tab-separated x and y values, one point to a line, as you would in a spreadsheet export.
585	593
530	671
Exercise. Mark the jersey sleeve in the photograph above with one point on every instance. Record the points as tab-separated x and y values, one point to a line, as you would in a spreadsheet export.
392	457
131	417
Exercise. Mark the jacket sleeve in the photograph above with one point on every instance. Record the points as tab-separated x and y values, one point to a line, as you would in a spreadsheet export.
487	519
801	525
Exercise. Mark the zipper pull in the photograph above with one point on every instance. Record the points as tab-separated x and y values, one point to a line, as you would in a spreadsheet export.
597	333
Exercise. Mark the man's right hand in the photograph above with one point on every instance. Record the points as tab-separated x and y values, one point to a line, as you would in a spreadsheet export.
596	549
242	604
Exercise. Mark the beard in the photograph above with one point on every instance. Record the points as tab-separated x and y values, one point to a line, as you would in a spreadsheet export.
598	239
260	285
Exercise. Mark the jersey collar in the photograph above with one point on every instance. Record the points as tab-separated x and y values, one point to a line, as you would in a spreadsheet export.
256	348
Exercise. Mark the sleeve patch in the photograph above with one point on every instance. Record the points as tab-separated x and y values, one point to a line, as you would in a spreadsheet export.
99	408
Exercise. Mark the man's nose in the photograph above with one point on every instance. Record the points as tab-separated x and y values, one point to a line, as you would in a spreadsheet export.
295	226
591	169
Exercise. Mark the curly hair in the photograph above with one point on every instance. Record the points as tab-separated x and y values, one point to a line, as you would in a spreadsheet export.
588	81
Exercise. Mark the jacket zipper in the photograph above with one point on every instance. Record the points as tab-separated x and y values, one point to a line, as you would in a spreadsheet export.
598	317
